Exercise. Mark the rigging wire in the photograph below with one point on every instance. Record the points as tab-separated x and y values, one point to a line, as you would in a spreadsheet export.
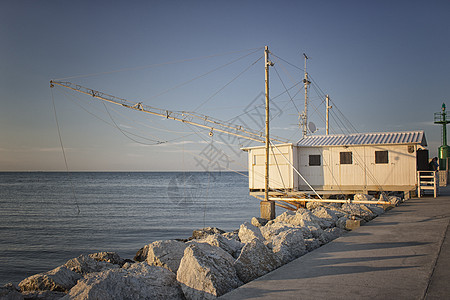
196	131
345	118
303	178
289	95
213	95
155	141
200	76
322	94
263	104
342	120
157	65
288	62
127	136
64	155
278	169
209	186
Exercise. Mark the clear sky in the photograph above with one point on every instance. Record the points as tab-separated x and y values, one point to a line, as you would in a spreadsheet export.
385	65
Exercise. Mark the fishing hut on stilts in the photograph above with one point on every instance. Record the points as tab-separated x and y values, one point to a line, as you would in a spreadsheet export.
325	168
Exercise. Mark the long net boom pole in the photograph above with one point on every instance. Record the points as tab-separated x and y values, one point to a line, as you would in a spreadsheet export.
185	117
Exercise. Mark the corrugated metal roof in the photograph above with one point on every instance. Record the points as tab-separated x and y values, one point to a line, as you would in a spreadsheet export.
385	138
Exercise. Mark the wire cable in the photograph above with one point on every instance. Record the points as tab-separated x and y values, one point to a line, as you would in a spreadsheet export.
200	76
64	155
222	88
157	65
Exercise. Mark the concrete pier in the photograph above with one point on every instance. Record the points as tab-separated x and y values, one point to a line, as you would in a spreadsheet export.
403	254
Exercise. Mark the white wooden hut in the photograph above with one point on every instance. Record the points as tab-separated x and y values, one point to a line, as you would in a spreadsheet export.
341	164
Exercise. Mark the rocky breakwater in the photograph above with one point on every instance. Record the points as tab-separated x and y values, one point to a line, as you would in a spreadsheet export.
207	265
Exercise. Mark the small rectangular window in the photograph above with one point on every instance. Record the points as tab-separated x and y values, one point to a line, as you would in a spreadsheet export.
381	157
314	160
346	158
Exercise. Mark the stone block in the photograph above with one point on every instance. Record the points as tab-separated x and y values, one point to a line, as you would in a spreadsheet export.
352	224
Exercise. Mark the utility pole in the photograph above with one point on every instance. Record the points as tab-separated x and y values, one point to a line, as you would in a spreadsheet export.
267	207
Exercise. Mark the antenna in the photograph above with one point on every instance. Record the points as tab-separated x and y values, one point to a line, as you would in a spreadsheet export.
312	127
305	112
327	123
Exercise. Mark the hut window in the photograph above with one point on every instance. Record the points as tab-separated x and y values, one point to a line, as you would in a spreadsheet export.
381	157
314	160
346	158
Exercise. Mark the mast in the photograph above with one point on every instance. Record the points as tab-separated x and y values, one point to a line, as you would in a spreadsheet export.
305	112
327	124
267	206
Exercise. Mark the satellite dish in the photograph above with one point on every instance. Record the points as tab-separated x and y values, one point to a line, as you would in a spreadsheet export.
312	127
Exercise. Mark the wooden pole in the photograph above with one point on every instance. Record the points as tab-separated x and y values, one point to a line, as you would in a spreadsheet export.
267	207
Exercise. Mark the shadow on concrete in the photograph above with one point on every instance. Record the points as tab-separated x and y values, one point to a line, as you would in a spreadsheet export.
343	246
315	272
258	293
336	261
434	218
381	223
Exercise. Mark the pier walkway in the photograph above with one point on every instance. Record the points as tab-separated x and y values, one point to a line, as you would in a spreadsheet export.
403	254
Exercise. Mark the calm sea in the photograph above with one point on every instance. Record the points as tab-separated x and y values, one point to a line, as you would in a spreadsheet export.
49	218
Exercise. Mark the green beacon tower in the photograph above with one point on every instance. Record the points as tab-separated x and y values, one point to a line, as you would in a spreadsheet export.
441	118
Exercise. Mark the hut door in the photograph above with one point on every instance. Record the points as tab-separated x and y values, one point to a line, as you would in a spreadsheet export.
422	160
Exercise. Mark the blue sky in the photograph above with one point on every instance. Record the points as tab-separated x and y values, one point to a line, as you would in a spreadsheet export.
384	64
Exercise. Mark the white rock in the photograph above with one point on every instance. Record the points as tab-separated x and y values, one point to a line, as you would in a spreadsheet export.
141	254
139	281
288	245
285	217
258	222
312	244
60	279
336	209
376	209
383	197
313	205
206	272
341	222
304	217
394	200
328	216
333	233
166	254
84	264
272	229
204	232
233	235
363	197
111	257
231	246
358	210
255	260
248	232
